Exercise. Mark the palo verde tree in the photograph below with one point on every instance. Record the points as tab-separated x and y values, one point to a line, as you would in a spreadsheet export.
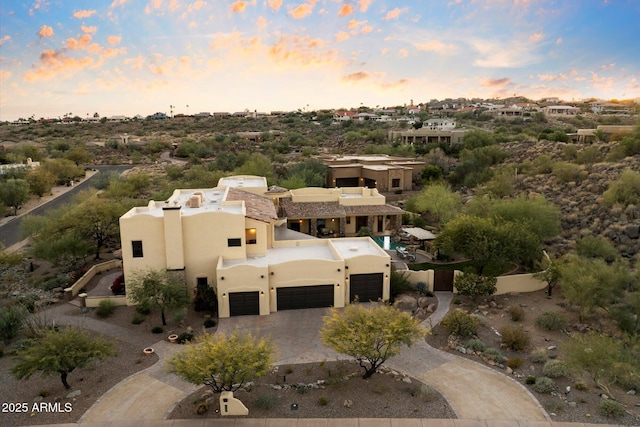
60	352
164	290
224	363
550	272
370	335
14	193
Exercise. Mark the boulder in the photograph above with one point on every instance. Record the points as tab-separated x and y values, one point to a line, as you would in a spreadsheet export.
406	303
633	231
431	308
423	302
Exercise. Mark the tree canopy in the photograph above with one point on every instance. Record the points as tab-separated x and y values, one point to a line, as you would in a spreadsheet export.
14	193
371	335
164	290
438	201
224	363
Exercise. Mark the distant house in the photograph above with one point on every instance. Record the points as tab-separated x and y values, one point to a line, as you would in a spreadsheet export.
561	110
29	164
157	116
427	136
610	108
202	115
439	124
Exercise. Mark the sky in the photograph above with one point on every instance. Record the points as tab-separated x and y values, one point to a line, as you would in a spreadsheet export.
128	57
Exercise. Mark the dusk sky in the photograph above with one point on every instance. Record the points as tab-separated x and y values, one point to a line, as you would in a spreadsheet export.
128	57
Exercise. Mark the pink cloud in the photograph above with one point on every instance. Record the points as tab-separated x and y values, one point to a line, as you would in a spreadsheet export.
393	14
403	53
152	6
39	4
80	14
261	23
496	82
80	43
345	10
54	63
114	40
238	6
275	4
89	30
551	77
357	76
5	39
117	3
435	46
342	36
302	50
535	37
364	5
301	11
45	32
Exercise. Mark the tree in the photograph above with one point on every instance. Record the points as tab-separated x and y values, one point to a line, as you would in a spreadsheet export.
158	289
40	181
438	200
369	335
477	138
550	272
14	193
224	363
258	165
474	286
78	155
535	213
60	352
97	220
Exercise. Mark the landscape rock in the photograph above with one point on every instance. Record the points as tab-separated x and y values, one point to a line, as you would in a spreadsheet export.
423	302
73	394
406	380
406	303
431	308
347	403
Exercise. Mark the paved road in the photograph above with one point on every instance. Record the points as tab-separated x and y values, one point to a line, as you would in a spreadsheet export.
10	231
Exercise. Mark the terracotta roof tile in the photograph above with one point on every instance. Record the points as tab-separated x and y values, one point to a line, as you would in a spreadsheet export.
304	210
258	207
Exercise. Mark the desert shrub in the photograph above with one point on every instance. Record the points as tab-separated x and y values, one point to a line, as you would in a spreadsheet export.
288	370
460	323
515	362
530	380
625	190
494	354
137	319
11	320
143	309
184	337
596	247
551	321
428	393
543	164
157	330
516	312
60	281
474	285
580	385
323	401
543	385
567	172
611	409
554	405
422	287
106	308
399	283
514	337
555	369
201	408
476	344
266	401
209	323
539	355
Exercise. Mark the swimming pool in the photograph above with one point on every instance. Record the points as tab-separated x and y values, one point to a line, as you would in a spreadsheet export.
386	242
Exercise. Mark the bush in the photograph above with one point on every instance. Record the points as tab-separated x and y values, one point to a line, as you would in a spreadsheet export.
473	285
515	363
555	369
596	247
422	288
514	337
11	320
266	402
323	401
184	337
117	287
567	172
476	344
494	354
106	308
137	319
543	385
539	355
157	330
460	323
143	309
399	283
611	409
516	312
551	321
201	408
580	385
530	380
209	323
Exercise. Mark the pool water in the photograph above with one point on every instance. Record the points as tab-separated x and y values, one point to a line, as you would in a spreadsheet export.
386	243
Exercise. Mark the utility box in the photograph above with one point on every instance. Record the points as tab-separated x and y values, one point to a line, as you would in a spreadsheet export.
229	405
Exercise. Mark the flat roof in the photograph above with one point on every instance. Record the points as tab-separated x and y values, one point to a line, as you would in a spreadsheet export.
211	202
351	248
243	181
298	253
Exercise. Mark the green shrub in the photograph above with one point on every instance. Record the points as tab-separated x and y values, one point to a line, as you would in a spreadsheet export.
611	409
543	385
323	401
539	355
551	321
567	172
473	285
422	288
143	309
515	362
201	408
580	385
209	323
11	320
157	330
494	354
516	312
624	191
137	319
106	308
514	337
476	344
596	247
184	337
460	323
555	369
266	401
530	380
399	283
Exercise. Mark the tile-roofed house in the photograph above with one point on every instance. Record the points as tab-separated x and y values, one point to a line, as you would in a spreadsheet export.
257	207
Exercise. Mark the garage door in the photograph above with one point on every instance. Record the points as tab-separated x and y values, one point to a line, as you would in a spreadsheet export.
244	303
367	287
305	297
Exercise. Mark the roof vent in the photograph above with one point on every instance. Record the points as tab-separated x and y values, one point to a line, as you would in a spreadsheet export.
353	248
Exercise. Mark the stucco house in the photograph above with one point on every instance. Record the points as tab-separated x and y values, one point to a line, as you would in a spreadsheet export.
231	238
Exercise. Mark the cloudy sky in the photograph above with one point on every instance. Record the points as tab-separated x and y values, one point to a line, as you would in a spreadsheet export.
141	56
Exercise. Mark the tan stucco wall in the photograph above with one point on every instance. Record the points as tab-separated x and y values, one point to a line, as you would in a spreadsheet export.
518	283
241	278
263	237
425	276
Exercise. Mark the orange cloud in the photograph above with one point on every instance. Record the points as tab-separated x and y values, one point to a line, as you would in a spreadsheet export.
275	4
113	40
302	50
535	37
117	3
357	76
261	23
153	5
90	30
135	63
301	11
80	14
37	5
54	63
342	36
5	39
45	32
435	46
496	82
393	14
238	6
79	43
364	5
345	10
551	77
403	53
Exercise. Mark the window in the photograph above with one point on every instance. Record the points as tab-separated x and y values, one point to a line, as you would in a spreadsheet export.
395	182
348	220
250	236
234	242
136	248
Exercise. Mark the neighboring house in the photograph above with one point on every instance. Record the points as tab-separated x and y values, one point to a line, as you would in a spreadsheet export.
28	165
230	237
589	135
610	108
427	136
561	110
385	173
439	124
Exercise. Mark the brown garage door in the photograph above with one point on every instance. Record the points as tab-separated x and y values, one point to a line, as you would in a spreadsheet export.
244	303
305	297
367	287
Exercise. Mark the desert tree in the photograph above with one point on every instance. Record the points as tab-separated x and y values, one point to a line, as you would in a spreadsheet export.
40	181
550	271
14	193
371	335
164	290
474	285
224	363
60	353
